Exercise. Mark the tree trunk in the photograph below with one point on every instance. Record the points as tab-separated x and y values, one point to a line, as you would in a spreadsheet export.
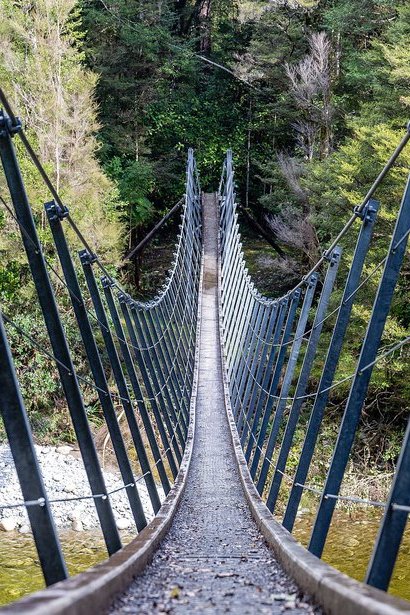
204	27
180	10
137	261
261	231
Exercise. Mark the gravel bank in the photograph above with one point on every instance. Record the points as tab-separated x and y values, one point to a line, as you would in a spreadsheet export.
64	477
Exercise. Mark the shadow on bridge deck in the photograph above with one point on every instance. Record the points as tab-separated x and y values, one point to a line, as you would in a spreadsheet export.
214	559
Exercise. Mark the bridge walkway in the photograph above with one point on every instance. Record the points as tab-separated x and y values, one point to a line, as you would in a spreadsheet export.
214	560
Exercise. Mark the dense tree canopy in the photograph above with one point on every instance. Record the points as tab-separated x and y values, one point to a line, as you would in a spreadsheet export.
282	83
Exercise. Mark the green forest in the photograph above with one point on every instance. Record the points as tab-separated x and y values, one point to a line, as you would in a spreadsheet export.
312	97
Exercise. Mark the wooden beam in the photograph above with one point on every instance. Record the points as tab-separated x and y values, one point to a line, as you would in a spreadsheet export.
135	251
261	231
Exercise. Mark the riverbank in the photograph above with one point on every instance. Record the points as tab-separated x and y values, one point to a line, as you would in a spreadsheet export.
65	478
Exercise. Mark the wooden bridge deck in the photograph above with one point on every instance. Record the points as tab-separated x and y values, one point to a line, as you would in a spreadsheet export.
214	560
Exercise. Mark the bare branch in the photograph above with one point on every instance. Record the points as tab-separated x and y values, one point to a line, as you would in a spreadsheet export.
310	85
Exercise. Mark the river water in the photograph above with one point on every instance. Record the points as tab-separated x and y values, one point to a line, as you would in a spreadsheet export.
348	549
20	572
349	546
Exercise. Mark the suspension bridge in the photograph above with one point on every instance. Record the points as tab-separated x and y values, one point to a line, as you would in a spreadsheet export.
212	378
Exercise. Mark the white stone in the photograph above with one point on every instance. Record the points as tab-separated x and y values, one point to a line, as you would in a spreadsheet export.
69	487
8	524
123	524
64	450
25	529
77	526
75	514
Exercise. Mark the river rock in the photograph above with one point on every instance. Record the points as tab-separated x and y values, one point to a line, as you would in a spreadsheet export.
75	514
25	529
77	525
70	487
64	450
8	524
351	541
123	524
